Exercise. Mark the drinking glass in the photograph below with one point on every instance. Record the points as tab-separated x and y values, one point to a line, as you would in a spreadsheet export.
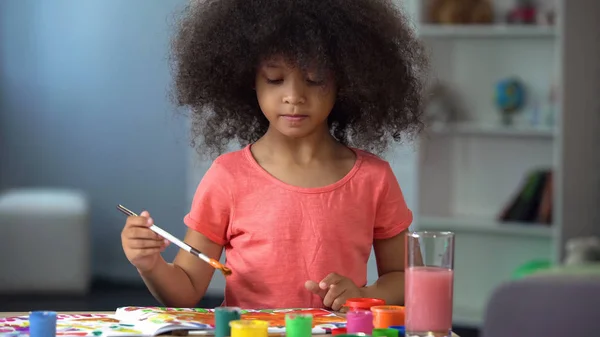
429	283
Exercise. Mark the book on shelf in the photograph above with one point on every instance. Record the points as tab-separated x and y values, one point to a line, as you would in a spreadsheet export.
532	202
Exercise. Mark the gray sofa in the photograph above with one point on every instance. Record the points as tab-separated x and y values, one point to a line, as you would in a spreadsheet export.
551	304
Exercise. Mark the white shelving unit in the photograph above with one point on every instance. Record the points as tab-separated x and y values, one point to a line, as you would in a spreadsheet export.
486	31
469	170
494	130
485	226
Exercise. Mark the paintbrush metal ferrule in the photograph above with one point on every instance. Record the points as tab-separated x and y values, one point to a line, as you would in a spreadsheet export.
199	254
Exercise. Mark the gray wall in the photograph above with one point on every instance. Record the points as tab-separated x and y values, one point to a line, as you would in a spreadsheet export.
83	103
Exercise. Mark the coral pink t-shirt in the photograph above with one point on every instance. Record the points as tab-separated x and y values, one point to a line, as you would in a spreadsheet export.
277	236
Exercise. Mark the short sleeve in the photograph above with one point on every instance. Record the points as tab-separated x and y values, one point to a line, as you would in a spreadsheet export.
210	212
393	215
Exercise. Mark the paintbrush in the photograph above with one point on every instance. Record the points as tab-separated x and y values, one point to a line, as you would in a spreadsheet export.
216	264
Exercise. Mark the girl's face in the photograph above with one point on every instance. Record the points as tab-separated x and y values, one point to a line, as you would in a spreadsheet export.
295	103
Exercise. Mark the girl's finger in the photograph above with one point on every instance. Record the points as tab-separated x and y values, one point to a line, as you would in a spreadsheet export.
338	303
148	251
143	244
334	292
165	244
143	233
137	221
330	280
313	287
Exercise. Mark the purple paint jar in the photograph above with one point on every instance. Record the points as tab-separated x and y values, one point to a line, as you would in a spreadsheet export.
359	321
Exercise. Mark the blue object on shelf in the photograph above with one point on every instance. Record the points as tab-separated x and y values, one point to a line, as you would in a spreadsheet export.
510	95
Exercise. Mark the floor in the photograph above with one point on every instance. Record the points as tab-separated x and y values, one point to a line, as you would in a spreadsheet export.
107	296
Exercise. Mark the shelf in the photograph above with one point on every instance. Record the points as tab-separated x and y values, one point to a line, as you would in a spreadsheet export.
485	226
494	130
487	31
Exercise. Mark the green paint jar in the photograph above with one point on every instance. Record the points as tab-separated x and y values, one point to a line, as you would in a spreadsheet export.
298	325
385	332
224	315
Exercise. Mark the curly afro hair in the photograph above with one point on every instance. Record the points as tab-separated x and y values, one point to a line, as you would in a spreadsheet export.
377	61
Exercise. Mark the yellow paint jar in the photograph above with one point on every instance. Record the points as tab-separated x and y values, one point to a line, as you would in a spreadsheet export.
249	328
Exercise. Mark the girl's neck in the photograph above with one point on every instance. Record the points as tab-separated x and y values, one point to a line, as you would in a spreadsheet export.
319	145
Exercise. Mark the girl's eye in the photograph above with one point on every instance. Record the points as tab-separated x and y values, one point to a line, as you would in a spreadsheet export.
315	82
274	81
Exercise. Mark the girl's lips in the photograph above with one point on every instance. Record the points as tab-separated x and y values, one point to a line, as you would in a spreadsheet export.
294	118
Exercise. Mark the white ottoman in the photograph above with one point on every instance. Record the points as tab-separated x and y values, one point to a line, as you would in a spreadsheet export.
45	245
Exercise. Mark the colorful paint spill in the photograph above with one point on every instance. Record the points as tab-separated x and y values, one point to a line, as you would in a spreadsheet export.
323	320
151	321
69	325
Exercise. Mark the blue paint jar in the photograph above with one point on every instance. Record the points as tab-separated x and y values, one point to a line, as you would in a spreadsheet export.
42	324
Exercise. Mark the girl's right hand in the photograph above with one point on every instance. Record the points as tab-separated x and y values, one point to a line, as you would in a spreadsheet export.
141	245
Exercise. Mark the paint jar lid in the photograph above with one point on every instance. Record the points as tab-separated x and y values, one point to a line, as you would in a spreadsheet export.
400	328
339	331
249	324
228	309
298	325
387	309
358	314
383	332
42	323
363	303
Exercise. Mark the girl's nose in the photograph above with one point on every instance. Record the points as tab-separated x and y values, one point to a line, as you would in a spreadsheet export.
294	99
294	94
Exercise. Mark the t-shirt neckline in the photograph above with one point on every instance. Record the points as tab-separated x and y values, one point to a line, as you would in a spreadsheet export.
357	163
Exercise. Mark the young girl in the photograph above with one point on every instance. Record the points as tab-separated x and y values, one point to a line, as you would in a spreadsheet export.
307	87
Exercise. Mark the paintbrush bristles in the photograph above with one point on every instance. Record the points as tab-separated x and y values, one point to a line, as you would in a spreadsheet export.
218	265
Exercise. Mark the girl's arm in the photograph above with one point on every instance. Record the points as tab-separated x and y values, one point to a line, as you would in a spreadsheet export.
183	283
389	254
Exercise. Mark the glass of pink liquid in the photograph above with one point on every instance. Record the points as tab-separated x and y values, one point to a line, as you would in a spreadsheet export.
429	284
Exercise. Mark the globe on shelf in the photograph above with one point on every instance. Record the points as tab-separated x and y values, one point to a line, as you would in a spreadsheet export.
509	98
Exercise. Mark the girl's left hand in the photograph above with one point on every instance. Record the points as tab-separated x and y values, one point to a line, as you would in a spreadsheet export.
334	289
